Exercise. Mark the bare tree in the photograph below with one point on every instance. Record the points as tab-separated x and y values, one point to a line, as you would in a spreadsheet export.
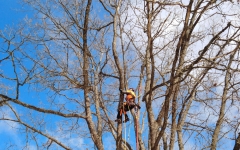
182	57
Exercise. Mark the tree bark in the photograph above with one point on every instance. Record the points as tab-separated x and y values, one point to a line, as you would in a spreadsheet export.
237	143
223	102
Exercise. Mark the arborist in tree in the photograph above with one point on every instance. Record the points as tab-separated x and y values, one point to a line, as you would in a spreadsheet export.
128	105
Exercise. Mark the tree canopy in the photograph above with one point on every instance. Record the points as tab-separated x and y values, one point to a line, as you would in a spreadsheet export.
62	68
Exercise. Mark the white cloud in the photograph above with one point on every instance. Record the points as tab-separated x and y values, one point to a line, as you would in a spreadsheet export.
7	126
67	138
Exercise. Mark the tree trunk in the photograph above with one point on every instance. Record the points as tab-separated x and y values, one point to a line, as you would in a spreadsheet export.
237	143
223	102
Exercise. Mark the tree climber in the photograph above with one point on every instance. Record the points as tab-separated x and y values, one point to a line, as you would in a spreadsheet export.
128	105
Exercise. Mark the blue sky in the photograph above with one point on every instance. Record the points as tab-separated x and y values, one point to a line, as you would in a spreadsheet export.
10	13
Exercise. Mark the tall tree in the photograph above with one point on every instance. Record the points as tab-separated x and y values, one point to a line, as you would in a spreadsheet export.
182	57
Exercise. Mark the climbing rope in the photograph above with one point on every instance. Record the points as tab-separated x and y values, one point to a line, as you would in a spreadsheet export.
125	126
129	125
127	105
129	129
125	133
136	114
123	114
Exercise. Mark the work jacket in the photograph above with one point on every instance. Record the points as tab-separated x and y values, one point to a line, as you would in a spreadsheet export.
130	95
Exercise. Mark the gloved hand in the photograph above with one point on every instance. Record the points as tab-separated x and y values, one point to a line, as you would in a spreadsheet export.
120	90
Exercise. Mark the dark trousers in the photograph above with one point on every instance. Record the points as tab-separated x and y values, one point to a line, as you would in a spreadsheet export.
124	108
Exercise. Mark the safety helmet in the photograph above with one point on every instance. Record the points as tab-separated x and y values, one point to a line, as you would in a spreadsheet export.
131	89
